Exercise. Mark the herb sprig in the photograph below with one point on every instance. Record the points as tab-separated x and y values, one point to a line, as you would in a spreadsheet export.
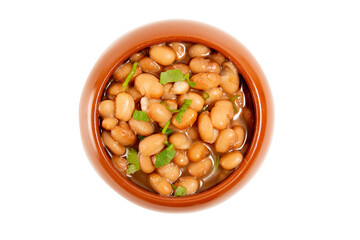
165	156
175	75
183	109
131	73
140	116
133	160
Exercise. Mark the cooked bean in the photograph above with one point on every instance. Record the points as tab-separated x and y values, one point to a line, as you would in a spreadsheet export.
123	134
225	140
120	163
200	168
134	93
149	85
214	95
109	123
206	130
203	65
141	128
167	93
148	65
172	104
160	184
146	164
229	78
181	66
248	116
197	100
115	89
197	151
193	133
159	113
221	114
123	71
180	88
170	172
106	108
240	136
217	57
145	102
199	50
179	49
162	54
187	120
205	81
181	158
180	140
125	106
231	160
111	144
190	183
152	144
137	56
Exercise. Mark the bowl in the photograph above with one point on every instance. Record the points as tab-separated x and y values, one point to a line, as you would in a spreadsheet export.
165	31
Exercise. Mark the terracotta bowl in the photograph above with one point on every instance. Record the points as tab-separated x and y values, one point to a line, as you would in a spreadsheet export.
176	30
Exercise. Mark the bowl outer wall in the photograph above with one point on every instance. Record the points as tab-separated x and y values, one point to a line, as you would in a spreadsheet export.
165	31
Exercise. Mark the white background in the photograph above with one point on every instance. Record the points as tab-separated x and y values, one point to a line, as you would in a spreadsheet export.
308	186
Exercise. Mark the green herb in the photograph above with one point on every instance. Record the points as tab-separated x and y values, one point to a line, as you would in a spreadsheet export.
132	159
168	108
204	109
183	109
140	116
205	95
165	156
172	185
165	130
175	75
166	142
233	103
180	191
141	137
131	73
216	163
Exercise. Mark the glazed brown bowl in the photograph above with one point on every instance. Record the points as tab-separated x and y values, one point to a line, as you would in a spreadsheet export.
166	31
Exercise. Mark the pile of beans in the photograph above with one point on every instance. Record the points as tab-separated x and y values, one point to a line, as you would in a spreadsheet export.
208	142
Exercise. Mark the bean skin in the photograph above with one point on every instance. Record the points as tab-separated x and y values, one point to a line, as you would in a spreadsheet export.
170	171
225	140
111	144
120	162
229	78
217	57
193	133
180	50
109	123
199	50
180	140
190	183
181	158
115	89
149	85
125	106
141	128
205	81
123	71
187	120
162	54
146	164
160	184
231	160
197	151
214	95
172	104
221	114
152	144
148	65
240	136
200	168
137	56
159	113
203	65
206	130
123	134
106	108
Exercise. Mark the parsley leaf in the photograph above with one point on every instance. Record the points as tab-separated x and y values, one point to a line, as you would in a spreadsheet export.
133	160
140	116
165	156
140	137
175	75
180	191
183	109
168	108
165	130
131	73
232	101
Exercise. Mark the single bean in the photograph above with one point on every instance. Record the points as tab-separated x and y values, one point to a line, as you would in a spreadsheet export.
200	168
120	163
123	134
159	113
123	71
197	100
160	184
181	158
134	93
152	144
203	65
106	108
146	164
111	144
148	65
221	114
190	183
197	151
229	78
214	94
170	171
167	93
231	160
193	133
180	88
149	85
206	130
180	140
137	56
109	123
124	106
181	66
187	120
162	54
172	104
205	81
179	49
240	136
141	128
217	57
199	50
225	140
115	89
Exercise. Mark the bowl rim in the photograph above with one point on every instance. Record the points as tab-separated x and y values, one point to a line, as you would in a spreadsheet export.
207	35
